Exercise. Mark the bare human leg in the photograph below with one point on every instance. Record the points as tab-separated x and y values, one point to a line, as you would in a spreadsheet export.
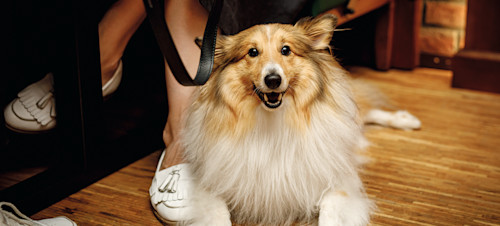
115	30
186	20
171	188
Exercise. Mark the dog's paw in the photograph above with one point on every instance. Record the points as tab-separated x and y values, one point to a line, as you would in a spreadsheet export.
328	219
341	208
221	221
215	219
220	217
211	211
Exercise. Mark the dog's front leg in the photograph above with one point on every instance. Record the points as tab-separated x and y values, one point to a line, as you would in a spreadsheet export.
337	208
344	208
211	210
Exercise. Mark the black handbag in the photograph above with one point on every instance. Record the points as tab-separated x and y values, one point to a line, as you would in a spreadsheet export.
156	14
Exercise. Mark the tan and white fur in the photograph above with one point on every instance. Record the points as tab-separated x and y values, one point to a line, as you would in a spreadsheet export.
274	152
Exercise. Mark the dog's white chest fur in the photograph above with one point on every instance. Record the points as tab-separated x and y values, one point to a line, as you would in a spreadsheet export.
275	173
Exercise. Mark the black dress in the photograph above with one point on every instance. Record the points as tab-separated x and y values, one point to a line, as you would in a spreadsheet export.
238	15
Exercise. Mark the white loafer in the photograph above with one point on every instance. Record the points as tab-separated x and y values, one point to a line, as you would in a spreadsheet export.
171	191
33	110
14	217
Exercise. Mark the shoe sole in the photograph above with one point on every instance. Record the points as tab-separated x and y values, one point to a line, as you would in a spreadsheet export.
26	131
163	220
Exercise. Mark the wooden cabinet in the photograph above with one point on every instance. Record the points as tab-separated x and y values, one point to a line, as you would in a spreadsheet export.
477	66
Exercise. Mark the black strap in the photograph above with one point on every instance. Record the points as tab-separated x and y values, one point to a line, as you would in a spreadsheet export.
155	10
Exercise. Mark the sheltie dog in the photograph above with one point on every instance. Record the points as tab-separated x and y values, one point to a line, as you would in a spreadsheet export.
272	136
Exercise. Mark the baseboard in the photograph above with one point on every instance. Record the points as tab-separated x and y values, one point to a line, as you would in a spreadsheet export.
477	70
435	61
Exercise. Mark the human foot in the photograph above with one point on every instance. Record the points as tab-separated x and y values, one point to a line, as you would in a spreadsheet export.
33	110
173	156
171	190
171	138
10	215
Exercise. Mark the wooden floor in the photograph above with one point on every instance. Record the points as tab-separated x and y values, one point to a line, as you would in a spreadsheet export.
447	173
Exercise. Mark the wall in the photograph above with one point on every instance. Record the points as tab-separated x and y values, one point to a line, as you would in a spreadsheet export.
443	31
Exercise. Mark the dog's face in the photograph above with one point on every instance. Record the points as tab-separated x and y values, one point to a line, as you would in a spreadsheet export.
273	65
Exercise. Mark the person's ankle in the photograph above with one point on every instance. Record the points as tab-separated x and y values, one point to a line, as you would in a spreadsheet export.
173	155
167	136
108	70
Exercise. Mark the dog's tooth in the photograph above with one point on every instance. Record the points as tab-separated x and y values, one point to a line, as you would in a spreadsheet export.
280	96
265	98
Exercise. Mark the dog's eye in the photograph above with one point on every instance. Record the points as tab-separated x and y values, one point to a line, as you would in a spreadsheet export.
253	52
285	50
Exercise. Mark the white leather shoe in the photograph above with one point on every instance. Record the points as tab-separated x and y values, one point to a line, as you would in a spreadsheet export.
14	217
171	192
34	108
34	111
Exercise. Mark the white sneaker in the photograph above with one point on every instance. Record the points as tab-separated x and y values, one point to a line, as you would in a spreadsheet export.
14	217
33	110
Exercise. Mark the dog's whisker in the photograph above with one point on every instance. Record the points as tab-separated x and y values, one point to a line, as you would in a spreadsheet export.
343	29
256	90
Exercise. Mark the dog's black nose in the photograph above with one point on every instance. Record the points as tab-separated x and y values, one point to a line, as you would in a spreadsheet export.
273	80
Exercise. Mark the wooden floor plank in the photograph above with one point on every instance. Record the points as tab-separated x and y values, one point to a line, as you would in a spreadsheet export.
447	173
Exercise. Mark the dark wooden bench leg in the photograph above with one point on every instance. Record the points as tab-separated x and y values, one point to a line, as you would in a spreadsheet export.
384	36
407	23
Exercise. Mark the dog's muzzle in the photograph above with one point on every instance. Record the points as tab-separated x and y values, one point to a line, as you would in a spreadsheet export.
271	99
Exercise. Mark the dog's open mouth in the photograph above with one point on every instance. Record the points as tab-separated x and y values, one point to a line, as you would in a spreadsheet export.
271	99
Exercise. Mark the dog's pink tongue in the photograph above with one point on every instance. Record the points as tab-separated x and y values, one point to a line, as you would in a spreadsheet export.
273	97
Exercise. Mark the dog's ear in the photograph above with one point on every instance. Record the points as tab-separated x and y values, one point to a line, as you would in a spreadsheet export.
221	49
219	46
319	29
